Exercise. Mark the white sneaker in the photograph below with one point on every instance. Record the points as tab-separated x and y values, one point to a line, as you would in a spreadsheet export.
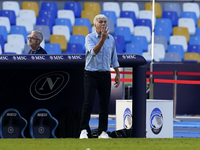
83	134
103	135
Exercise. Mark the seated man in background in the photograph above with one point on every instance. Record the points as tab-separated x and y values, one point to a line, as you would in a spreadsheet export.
34	40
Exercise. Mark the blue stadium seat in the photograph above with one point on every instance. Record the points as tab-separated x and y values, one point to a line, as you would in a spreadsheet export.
194	40
120	40
65	22
110	15
47	14
75	49
193	48
172	57
75	7
164	23
45	21
162	31
176	49
128	14
144	22
197	31
2	42
19	30
133	49
53	48
50	6
173	7
186	14
141	40
12	124
124	31
111	26
172	15
45	31
161	40
3	31
10	14
119	48
42	124
83	22
78	39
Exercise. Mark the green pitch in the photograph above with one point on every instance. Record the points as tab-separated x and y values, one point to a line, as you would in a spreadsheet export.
101	144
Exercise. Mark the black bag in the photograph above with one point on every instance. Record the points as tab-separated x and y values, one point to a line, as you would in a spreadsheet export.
123	133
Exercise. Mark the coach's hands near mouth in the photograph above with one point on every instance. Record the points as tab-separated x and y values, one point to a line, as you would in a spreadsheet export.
104	32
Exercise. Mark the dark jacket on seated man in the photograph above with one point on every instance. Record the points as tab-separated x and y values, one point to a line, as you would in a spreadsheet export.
40	50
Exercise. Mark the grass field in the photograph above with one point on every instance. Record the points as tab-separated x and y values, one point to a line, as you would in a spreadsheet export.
101	144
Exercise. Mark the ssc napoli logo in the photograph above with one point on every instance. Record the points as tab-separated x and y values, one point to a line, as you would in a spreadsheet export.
156	121
127	122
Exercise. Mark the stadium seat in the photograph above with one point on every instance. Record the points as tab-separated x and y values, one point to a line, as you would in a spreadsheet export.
146	14
16	39
64	22
111	26
148	57
4	21
50	6
67	14
141	40
47	14
27	14
119	48
182	31
126	22
42	124
143	31
176	49
2	42
75	7
42	44
131	6
12	124
45	22
26	23
191	7
161	40
110	15
159	51
11	5
61	30
59	39
112	6
194	48
19	30
78	39
12	48
133	49
172	57
124	31
89	15
164	23
191	57
173	7
4	32
31	5
158	9
75	49
80	30
83	22
10	14
192	15
128	14
92	6
144	22
160	31
1	51
179	40
45	31
188	23
120	40
194	40
197	31
53	48
172	15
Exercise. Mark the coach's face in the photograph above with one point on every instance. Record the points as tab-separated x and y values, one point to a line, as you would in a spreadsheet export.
32	40
101	23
